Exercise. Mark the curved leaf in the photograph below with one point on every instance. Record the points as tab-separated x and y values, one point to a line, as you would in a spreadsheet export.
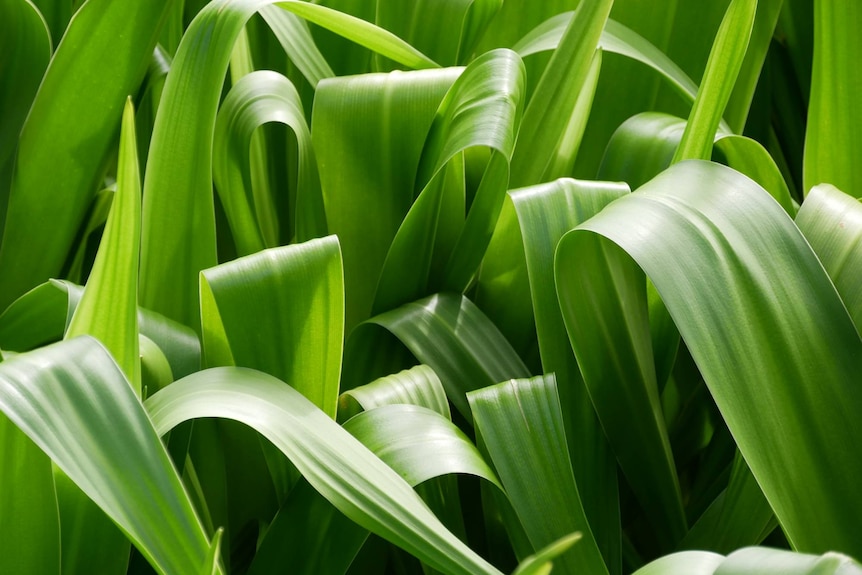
737	275
387	116
683	563
446	332
335	463
545	213
73	401
178	211
418	443
416	386
482	108
832	223
254	100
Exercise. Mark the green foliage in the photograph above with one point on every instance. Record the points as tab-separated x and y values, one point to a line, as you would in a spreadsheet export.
462	287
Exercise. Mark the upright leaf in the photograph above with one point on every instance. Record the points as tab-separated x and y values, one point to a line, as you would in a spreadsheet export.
70	129
833	138
722	68
280	311
547	114
108	310
520	422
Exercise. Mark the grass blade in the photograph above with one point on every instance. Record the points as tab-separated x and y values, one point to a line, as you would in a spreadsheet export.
722	69
556	94
108	310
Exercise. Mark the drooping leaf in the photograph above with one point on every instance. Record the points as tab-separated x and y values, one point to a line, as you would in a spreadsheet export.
256	99
446	332
335	463
73	401
708	237
416	386
832	223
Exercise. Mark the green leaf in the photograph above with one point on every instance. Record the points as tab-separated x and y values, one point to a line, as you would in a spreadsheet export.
40	317
521	424
108	310
446	31
683	563
482	108
25	49
832	223
73	401
418	385
652	138
411	440
555	96
775	561
739	517
541	561
418	443
361	32
69	131
833	138
28	504
545	213
293	34
385	117
617	39
737	275
258	98
178	237
280	311
762	33
335	463
447	332
603	299
722	68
